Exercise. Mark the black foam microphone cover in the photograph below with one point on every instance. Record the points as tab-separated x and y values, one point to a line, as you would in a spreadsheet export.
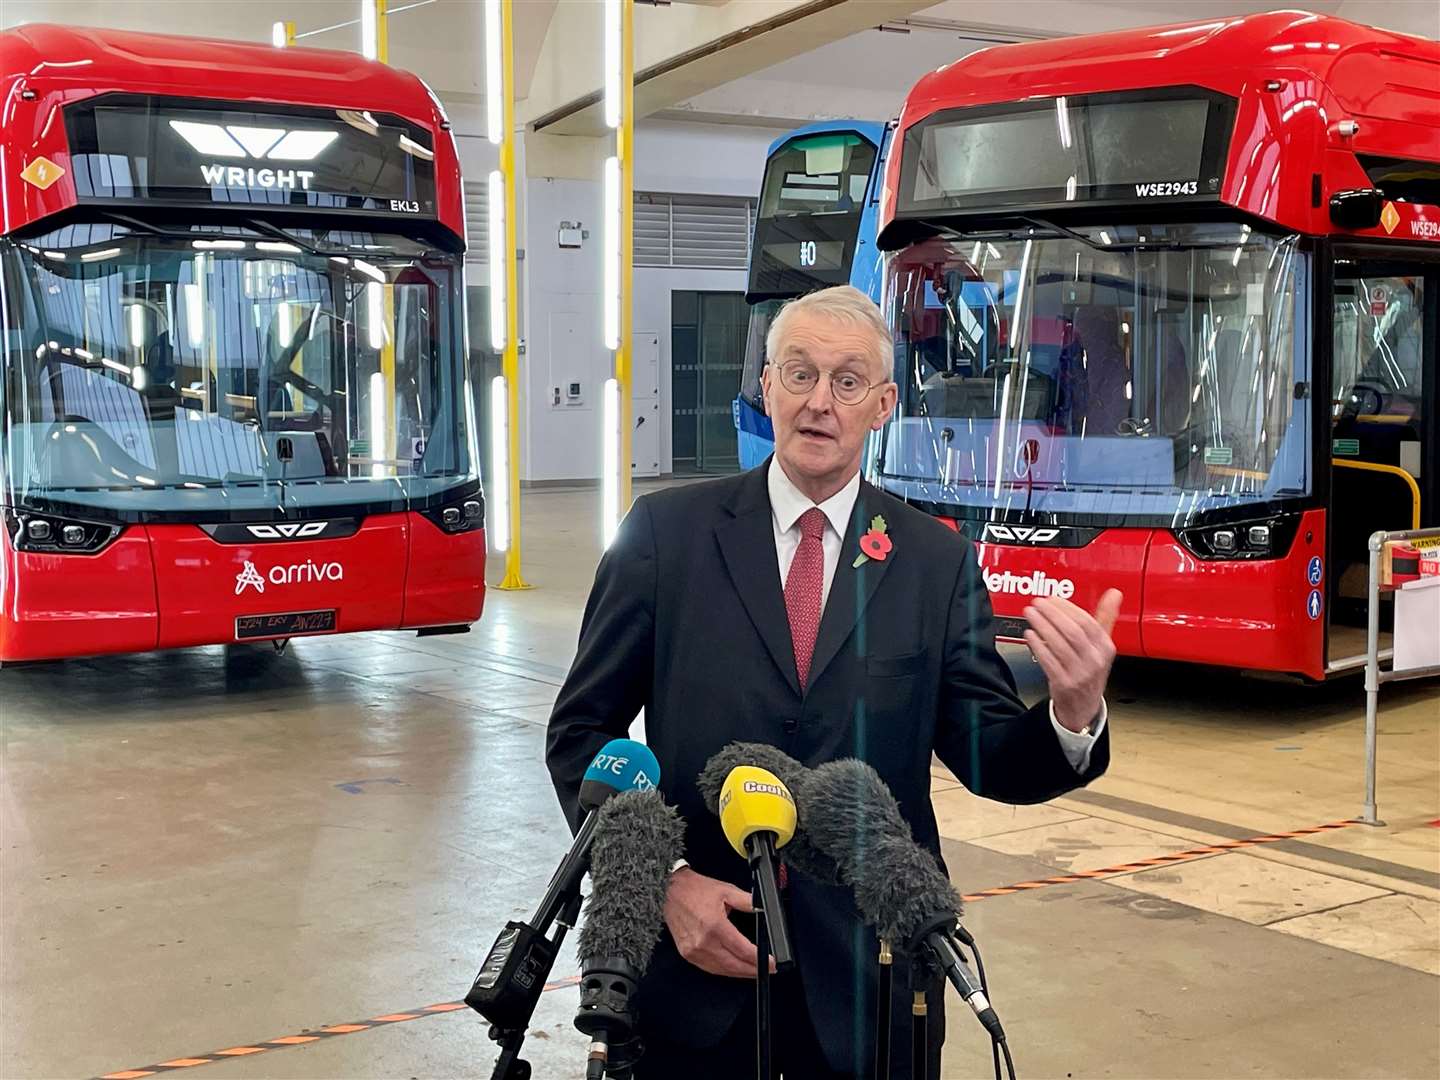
637	840
799	852
854	820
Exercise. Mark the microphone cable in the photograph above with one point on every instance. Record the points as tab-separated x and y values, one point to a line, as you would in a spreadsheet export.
997	1046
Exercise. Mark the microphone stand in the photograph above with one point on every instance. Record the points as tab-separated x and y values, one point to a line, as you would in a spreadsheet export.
771	935
922	973
511	1037
763	1064
883	1021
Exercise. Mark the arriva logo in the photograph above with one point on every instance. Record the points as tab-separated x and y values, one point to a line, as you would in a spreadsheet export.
308	572
249	578
1035	584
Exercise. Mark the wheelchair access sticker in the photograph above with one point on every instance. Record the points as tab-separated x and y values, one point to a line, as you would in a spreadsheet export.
1314	572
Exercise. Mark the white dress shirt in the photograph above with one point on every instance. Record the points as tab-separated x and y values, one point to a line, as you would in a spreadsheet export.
787	503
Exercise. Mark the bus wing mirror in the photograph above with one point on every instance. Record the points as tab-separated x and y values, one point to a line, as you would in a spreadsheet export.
1358	208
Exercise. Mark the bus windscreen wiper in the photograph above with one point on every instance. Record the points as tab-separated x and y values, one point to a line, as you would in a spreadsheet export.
134	224
1061	230
284	234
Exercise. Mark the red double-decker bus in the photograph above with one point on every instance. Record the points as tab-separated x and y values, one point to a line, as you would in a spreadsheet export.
234	400
1165	308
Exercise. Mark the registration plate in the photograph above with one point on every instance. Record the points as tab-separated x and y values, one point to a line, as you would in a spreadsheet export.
284	624
1010	629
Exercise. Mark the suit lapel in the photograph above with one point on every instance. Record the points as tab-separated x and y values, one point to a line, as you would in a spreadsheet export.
853	587
747	543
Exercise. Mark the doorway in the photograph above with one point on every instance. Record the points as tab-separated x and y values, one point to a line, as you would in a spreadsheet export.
1383	438
707	354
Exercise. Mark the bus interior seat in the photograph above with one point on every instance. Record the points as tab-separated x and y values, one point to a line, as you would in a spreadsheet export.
964	397
1104	375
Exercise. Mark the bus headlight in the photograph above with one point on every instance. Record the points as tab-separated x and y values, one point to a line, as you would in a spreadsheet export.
1267	539
48	534
459	517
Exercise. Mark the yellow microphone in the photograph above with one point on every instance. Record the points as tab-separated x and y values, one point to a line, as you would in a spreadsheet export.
753	800
757	815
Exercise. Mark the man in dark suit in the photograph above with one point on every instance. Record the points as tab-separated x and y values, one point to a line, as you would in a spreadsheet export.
799	606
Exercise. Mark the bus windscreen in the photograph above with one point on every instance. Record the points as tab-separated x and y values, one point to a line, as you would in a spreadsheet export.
163	374
808	219
1144	374
1103	147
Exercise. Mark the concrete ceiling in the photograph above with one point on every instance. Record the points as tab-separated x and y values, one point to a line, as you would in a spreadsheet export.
868	74
833	63
440	40
680	53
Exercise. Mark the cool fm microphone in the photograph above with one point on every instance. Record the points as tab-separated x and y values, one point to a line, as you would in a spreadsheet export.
757	815
800	854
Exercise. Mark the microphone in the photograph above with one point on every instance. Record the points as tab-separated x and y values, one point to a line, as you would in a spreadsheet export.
621	765
800	852
512	975
899	888
757	815
637	840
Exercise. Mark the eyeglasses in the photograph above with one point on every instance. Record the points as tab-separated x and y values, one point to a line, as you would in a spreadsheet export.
846	387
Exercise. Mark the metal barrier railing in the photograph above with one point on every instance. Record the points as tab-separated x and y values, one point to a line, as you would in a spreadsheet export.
1374	677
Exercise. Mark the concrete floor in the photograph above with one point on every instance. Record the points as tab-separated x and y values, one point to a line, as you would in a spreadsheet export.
216	849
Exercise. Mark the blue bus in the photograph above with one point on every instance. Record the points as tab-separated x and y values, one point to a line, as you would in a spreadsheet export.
815	227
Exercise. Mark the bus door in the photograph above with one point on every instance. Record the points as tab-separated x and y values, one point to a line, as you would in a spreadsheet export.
1383	427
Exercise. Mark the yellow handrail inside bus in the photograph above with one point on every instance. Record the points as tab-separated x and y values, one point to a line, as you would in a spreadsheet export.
384	441
1393	470
1247	474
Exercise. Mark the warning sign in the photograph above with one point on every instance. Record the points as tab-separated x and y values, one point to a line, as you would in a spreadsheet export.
1379	300
42	172
1409	560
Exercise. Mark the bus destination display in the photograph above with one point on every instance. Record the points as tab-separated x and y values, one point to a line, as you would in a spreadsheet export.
159	149
808	254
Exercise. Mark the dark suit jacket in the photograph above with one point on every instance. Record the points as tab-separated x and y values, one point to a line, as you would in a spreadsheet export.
687	621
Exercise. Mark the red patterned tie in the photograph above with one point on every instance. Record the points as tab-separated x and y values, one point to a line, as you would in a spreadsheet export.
803	587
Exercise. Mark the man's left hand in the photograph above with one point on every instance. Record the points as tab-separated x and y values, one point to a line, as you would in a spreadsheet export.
1074	650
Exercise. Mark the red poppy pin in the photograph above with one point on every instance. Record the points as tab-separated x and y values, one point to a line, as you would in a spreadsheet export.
874	544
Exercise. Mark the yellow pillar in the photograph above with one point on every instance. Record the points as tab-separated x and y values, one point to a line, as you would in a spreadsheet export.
625	150
382	33
510	360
